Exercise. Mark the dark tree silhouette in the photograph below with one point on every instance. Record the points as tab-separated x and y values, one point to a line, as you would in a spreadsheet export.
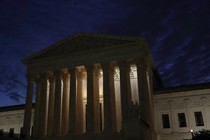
202	135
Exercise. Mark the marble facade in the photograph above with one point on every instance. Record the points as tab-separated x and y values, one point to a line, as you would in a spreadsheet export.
89	86
86	83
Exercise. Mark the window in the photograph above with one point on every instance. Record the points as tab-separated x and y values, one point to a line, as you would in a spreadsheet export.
199	118
182	120
165	120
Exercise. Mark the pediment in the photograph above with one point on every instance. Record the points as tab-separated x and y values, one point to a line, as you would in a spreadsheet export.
80	42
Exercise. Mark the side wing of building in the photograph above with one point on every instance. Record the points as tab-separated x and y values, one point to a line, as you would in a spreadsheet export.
11	118
181	110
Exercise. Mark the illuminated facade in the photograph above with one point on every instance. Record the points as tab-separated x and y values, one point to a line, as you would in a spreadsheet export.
86	83
86	86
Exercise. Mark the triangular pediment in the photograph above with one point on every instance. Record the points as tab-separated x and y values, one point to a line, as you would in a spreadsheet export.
80	42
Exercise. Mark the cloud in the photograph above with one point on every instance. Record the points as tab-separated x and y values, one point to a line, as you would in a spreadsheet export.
11	79
15	96
177	33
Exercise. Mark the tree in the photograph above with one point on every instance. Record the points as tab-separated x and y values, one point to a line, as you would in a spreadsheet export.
201	135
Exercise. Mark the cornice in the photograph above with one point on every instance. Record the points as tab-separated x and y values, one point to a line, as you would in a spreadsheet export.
82	42
88	49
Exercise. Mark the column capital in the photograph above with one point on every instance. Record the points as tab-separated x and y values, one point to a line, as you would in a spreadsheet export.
99	72
116	73
65	76
81	74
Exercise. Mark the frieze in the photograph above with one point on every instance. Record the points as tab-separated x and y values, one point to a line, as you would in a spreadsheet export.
196	103
179	105
81	43
164	106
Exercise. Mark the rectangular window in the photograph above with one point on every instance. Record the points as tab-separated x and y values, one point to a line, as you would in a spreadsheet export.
165	120
182	120
199	118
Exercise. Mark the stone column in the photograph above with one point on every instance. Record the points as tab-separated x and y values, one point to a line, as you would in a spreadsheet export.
124	88
65	109
149	76
90	100
73	97
113	100
107	98
96	100
37	108
51	105
43	106
79	103
143	90
28	106
57	104
144	99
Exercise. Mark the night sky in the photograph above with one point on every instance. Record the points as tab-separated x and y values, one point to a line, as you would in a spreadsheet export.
178	34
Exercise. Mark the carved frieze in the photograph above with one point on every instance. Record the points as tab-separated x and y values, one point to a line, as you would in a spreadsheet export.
178	105
196	103
164	106
80	43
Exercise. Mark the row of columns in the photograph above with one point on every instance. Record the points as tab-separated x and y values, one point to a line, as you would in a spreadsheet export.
58	110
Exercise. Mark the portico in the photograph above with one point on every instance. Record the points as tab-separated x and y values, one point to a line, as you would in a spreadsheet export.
86	83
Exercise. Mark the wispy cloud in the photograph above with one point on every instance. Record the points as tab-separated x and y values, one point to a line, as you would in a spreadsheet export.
177	33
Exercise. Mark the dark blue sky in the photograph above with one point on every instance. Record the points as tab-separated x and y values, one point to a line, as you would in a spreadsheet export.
178	33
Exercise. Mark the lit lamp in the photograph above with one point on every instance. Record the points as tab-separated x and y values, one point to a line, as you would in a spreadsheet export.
191	131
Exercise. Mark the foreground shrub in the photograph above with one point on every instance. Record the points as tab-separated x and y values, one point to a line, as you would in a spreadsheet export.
202	135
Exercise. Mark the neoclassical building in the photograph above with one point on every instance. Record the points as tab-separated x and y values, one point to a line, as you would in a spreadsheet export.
86	83
88	86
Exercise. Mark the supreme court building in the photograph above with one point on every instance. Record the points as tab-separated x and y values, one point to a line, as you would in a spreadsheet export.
88	85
